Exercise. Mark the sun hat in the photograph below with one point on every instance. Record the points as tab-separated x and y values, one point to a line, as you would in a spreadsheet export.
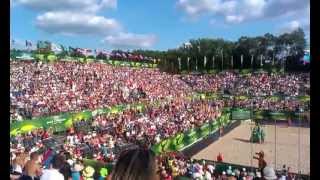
70	162
88	172
258	174
103	172
269	173
77	167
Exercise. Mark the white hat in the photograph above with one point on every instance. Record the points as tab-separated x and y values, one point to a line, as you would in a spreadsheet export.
244	169
258	174
77	167
269	173
70	162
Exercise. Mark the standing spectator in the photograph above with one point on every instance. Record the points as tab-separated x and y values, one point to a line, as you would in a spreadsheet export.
269	173
135	164
33	168
261	162
219	157
53	173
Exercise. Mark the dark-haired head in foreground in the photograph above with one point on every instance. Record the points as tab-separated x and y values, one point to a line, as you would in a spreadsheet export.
136	164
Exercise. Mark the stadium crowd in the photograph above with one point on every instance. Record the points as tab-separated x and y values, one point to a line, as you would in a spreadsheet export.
61	166
38	89
103	136
259	84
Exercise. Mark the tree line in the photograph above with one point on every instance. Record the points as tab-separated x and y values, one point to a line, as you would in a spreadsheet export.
268	51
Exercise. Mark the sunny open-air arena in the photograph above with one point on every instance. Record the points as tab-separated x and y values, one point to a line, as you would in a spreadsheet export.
236	147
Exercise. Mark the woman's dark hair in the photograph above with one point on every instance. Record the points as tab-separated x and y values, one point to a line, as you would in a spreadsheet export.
66	171
58	161
135	164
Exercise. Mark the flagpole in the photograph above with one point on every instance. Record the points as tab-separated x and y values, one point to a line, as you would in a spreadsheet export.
241	61
197	64
212	62
272	59
222	59
252	62
231	62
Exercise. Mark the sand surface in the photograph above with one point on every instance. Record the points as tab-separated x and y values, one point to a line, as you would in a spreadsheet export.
236	147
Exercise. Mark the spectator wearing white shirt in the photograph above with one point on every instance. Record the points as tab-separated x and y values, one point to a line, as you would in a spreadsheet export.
53	173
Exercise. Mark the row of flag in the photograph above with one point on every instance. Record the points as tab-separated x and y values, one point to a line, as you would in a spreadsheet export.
58	48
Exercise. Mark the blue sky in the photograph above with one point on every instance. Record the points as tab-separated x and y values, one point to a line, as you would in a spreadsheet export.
160	25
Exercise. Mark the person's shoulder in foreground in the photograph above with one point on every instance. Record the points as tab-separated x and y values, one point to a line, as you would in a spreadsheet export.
136	164
53	173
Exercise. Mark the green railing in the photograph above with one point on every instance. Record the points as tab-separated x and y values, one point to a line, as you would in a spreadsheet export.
182	140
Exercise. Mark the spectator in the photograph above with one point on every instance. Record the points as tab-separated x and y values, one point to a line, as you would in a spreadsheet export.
53	173
269	173
261	162
219	157
135	164
88	173
33	167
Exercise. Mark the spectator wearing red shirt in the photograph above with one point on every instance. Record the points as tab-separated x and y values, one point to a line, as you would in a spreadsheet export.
219	157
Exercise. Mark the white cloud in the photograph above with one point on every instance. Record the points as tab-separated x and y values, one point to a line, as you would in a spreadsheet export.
195	8
294	25
69	23
68	5
234	19
243	10
130	40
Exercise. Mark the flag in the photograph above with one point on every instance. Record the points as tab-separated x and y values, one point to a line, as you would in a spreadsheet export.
204	61
140	57
56	48
72	50
124	55
261	60
88	52
28	43
306	57
63	48
179	60
118	54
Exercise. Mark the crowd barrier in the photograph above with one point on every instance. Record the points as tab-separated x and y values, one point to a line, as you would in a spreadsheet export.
63	121
245	114
183	140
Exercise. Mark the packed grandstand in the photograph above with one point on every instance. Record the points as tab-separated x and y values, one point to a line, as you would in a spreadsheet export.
90	112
